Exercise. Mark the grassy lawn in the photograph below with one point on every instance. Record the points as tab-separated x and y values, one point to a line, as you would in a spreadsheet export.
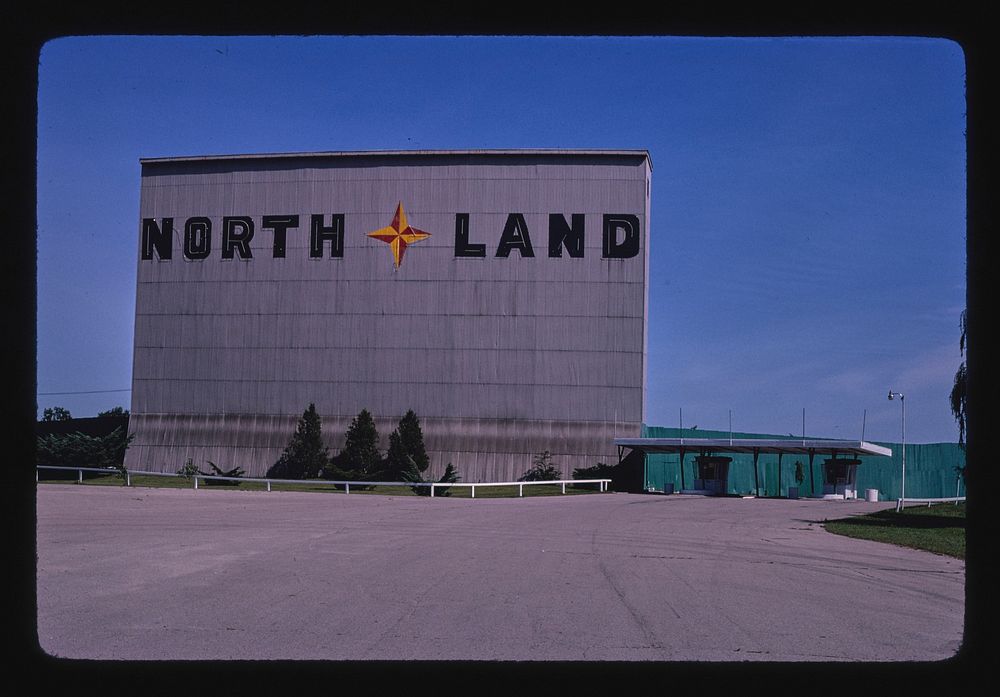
939	528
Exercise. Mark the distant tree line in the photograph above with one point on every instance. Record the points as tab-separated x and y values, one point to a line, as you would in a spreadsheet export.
63	414
78	449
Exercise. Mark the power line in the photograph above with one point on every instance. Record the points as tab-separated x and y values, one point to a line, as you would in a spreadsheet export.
40	394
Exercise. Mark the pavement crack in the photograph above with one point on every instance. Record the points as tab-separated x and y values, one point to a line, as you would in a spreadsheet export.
651	638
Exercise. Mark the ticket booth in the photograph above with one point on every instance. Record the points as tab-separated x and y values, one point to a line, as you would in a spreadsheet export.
840	476
713	474
839	471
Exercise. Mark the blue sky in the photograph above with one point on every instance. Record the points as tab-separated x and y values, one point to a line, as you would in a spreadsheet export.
808	201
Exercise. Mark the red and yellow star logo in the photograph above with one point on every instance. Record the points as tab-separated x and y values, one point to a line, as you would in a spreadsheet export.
399	234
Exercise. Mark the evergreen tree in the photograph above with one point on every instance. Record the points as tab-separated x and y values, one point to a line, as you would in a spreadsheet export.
406	443
396	461
360	456
305	455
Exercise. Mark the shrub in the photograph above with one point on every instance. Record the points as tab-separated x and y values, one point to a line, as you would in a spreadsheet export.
412	474
542	469
450	476
333	472
80	450
77	449
235	472
616	473
601	470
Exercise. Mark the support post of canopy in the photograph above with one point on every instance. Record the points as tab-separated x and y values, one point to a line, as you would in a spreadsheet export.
779	475
756	479
812	483
682	468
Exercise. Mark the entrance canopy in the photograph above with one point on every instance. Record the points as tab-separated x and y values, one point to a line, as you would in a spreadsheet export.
757	446
754	446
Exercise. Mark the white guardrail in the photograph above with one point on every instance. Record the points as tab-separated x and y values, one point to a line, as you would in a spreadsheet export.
950	499
326	482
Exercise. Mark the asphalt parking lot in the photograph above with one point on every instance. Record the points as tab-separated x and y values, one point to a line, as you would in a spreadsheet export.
132	573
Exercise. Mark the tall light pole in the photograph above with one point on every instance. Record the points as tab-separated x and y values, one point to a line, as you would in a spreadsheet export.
902	404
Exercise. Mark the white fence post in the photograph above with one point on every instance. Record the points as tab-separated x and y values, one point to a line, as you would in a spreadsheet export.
128	478
196	481
520	489
347	487
473	491
564	487
432	490
79	476
269	485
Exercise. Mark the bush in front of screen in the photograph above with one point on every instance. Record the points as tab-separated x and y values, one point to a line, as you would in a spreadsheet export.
190	470
412	474
542	469
216	472
602	470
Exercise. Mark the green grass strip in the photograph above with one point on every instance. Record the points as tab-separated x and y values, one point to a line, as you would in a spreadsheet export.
939	528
